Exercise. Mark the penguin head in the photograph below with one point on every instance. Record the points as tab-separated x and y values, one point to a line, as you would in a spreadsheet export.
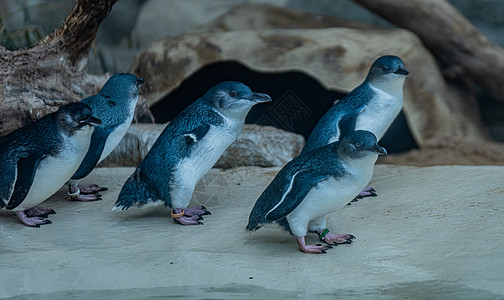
359	144
387	68
123	86
75	116
234	98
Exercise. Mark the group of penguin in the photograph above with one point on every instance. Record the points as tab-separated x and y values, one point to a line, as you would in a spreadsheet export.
334	167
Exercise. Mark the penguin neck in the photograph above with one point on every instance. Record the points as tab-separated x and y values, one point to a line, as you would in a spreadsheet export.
237	115
393	87
361	165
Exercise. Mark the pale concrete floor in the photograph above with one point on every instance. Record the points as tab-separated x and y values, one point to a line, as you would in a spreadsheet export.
431	233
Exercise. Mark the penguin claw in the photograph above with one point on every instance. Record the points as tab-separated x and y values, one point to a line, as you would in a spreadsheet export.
367	192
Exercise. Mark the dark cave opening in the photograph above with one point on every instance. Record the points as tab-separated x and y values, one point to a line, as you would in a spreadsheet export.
299	101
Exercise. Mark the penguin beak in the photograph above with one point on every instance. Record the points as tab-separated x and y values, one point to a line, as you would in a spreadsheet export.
140	81
379	149
259	98
402	71
92	121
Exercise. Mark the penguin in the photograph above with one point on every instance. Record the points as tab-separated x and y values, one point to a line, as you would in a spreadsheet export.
187	149
114	105
315	184
39	158
371	106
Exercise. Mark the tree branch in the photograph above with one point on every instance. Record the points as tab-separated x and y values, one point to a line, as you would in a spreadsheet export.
458	45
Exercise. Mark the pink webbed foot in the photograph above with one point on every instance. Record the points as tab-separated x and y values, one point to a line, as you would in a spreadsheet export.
366	192
86	192
199	210
31	221
334	239
39	211
91	189
311	249
189	216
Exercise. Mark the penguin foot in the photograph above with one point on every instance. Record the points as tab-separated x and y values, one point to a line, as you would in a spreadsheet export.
335	239
39	211
367	192
91	189
180	216
311	249
185	220
31	221
85	193
199	210
86	197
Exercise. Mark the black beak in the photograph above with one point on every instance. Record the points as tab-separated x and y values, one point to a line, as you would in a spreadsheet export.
260	98
402	71
140	81
379	149
92	121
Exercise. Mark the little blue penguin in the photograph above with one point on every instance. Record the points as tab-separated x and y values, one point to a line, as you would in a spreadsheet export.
187	149
114	105
371	106
315	184
39	158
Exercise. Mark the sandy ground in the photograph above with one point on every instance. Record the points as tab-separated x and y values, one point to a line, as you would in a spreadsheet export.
434	232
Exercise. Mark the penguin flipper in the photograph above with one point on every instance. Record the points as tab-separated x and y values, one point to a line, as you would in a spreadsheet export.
301	184
26	168
196	134
348	122
98	141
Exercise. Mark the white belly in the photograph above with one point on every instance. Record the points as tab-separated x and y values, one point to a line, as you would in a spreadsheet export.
379	113
53	172
116	136
331	195
205	154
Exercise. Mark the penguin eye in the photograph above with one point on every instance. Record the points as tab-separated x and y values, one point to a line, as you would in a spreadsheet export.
357	144
233	94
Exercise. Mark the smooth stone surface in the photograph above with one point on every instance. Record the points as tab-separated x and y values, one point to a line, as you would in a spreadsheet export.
432	232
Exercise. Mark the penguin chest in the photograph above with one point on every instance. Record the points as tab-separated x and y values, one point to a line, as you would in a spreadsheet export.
203	156
379	113
328	196
54	171
116	136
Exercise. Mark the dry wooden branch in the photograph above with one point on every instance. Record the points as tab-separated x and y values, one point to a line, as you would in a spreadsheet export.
35	81
459	46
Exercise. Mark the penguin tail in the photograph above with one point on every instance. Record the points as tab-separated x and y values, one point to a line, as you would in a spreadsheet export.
135	192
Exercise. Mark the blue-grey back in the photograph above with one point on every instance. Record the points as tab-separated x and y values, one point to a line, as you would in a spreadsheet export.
340	119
